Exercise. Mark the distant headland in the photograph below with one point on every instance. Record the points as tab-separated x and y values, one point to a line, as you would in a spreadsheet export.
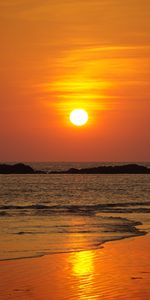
21	168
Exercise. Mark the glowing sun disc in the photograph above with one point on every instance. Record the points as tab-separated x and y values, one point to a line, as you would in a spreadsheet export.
79	117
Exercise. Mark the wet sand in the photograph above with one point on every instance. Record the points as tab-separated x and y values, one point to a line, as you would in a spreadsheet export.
120	270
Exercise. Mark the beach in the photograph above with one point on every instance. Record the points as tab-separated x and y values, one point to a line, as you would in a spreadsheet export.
74	236
118	270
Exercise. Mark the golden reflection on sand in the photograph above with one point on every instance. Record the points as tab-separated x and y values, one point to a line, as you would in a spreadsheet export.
82	264
119	271
82	267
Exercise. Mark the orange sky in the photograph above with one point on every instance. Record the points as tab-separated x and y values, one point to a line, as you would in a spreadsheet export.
57	55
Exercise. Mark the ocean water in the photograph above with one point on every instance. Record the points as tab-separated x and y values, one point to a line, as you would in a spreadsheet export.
47	214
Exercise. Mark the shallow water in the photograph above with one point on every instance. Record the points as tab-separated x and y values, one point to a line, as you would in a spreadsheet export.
41	214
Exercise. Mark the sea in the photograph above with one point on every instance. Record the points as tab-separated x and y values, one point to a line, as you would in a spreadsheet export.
46	214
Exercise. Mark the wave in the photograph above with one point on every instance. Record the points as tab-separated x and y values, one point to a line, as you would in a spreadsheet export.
4	214
128	207
89	230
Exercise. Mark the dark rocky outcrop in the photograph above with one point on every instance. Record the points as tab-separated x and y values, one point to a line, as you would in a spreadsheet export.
19	168
123	169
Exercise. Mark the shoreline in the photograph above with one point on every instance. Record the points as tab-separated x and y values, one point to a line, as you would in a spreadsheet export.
112	271
140	233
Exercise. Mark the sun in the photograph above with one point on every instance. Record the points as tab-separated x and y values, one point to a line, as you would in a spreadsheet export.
79	117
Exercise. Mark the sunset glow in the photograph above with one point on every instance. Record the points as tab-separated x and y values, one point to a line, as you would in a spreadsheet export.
57	56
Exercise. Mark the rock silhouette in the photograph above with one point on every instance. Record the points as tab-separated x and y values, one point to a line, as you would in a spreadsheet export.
123	169
19	168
